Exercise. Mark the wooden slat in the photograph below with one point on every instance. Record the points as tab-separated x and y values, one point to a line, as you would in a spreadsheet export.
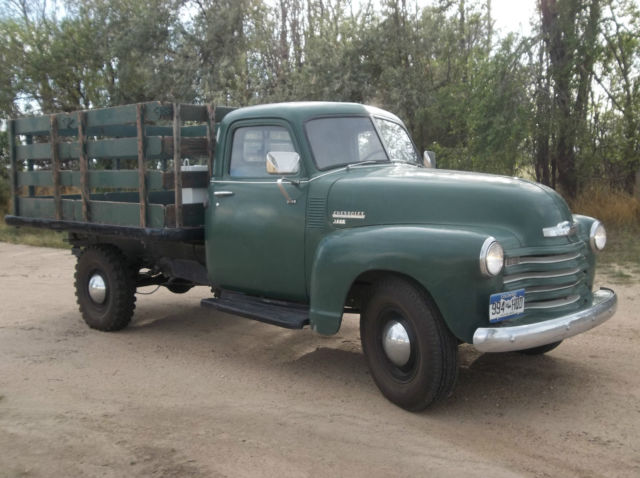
194	131
35	178
193	113
222	111
190	179
37	207
193	215
117	179
156	111
115	121
211	137
142	187
177	160
55	165
31	191
34	125
189	147
127	114
25	152
84	166
121	148
11	127
117	115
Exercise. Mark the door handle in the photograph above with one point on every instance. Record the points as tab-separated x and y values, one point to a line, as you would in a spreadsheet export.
222	193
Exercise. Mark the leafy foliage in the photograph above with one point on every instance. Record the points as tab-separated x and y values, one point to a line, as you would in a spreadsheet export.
562	105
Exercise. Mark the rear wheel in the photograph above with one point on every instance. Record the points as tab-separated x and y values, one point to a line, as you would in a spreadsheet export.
105	288
411	353
543	349
179	287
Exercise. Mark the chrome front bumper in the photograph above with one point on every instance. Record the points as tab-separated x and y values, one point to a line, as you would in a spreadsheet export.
521	337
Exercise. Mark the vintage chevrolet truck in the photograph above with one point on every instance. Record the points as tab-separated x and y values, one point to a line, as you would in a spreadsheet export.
296	213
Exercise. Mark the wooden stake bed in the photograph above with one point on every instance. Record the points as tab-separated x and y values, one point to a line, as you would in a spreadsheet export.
117	166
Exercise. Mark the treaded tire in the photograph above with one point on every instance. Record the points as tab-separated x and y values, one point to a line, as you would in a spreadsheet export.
543	349
178	288
432	369
115	311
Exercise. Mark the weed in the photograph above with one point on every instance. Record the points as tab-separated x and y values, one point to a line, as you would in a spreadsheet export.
32	237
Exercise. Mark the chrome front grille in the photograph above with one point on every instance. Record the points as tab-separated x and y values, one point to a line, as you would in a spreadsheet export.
553	280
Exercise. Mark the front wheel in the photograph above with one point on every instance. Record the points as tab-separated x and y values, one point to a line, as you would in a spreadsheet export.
411	353
105	288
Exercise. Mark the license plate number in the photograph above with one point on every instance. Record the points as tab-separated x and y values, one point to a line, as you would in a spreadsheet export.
506	305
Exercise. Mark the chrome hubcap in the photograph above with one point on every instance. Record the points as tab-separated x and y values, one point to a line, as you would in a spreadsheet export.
97	289
396	343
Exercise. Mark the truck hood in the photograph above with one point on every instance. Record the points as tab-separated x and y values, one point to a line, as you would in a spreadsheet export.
404	194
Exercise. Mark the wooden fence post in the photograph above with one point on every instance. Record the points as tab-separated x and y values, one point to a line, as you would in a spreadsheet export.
177	160
211	137
84	165
14	166
55	165
31	190
142	185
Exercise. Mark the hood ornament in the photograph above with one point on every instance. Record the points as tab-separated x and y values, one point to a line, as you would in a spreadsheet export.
564	228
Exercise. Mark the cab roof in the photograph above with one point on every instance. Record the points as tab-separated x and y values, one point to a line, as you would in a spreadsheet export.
304	110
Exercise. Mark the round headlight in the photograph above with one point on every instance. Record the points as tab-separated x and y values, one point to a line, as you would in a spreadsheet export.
491	257
597	236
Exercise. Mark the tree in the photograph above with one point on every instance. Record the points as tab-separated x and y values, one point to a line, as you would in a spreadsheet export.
569	30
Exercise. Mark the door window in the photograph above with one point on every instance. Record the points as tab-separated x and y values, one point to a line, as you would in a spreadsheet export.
250	147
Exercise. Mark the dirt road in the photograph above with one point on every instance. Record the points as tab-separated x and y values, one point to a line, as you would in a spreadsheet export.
187	392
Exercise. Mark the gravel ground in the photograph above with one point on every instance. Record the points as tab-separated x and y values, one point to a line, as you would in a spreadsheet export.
190	392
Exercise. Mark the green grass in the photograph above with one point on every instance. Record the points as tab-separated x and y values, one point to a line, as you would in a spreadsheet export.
32	236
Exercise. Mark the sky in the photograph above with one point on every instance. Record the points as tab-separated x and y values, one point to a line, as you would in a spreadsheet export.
513	15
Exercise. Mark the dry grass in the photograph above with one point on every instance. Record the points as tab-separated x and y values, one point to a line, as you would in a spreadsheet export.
620	213
616	209
31	236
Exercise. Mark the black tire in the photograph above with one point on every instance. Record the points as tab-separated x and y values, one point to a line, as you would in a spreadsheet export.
115	310
178	288
432	368
543	349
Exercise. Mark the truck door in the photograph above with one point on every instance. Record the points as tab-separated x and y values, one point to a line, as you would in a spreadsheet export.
256	236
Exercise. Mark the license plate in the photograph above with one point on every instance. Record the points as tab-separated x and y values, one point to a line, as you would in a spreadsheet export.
506	305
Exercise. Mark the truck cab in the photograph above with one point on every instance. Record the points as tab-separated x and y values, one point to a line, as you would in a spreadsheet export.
329	206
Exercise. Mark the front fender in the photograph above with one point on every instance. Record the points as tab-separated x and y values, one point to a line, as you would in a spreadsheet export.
443	260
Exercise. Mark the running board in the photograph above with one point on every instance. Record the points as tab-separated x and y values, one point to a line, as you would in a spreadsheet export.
289	315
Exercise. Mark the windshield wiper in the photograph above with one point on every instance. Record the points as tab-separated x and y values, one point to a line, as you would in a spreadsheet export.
368	161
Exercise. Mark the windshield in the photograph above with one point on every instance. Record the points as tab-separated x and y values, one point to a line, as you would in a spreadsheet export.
348	140
397	141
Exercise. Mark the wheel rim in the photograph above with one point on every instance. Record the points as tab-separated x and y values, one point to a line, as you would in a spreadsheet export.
97	288
396	343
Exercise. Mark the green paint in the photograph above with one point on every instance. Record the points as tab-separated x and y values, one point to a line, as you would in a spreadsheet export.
396	218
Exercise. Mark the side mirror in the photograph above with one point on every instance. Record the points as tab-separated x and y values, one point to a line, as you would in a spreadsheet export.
283	162
429	159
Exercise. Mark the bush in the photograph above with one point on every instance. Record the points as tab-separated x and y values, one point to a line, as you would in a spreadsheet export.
5	194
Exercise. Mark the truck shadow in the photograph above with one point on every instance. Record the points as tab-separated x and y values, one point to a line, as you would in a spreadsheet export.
327	363
491	383
511	381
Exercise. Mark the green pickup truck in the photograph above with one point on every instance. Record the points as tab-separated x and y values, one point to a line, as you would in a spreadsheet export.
294	214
